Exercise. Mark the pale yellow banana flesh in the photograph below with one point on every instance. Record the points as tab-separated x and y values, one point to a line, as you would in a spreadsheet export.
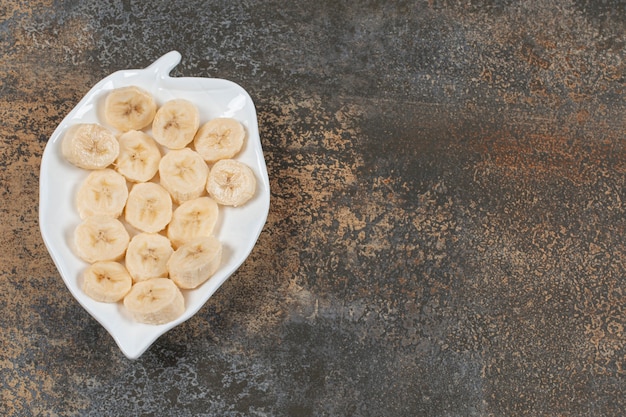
183	173
167	169
107	282
231	182
139	156
220	138
193	218
155	301
102	193
149	207
195	262
129	108
100	238
175	123
89	146
147	256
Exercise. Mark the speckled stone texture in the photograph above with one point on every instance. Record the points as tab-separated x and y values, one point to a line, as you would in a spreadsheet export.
446	234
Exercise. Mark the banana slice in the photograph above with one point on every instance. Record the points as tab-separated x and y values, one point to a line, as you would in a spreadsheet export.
195	262
193	218
89	146
139	156
231	183
175	123
183	173
102	193
149	207
155	301
100	238
107	282
147	256
129	108
220	138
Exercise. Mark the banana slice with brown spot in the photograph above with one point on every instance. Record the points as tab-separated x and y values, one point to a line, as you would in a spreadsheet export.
129	108
107	282
175	123
102	193
139	156
100	238
147	256
219	138
155	301
193	218
195	262
183	173
89	146
231	182
149	207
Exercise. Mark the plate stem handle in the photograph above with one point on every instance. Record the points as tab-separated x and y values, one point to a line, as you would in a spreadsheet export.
165	64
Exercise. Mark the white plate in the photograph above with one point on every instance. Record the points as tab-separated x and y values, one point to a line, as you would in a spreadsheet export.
238	228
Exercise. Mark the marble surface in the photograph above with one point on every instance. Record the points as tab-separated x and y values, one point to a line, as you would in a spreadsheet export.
446	231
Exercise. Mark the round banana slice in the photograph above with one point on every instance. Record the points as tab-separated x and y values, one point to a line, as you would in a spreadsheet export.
139	156
175	123
147	256
102	193
193	218
107	282
155	301
195	262
89	146
220	138
100	238
129	108
231	183
183	173
149	207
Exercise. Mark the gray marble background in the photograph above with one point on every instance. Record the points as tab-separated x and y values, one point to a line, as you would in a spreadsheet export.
446	234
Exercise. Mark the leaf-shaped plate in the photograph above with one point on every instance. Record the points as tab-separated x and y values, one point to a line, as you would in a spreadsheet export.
238	228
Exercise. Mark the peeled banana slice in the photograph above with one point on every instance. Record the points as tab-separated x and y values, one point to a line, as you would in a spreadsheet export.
149	207
175	123
183	173
89	146
155	301
193	218
220	138
139	156
102	193
176	165
195	262
100	238
231	182
107	282
147	256
129	108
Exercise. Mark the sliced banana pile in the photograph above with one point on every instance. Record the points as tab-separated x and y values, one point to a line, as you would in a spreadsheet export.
150	203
